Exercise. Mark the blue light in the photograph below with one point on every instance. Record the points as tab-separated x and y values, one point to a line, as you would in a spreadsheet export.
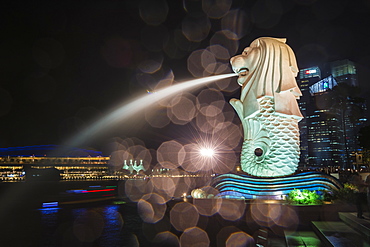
41	150
76	191
49	204
256	187
49	210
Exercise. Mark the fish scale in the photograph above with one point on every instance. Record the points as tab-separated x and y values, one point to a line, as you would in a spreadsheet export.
277	135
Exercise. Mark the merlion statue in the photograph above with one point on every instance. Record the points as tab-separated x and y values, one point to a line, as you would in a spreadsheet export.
268	107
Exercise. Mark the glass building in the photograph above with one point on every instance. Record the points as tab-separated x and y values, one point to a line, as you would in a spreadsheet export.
344	71
333	115
306	78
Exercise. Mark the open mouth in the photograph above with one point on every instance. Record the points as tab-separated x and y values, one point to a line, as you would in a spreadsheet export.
243	71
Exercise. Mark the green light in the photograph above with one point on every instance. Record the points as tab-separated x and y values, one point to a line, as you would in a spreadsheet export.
119	202
304	197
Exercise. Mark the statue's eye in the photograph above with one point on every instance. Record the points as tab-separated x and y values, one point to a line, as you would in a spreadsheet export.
258	152
246	50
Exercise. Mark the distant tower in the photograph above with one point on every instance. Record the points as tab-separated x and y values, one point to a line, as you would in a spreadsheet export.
306	78
344	71
325	145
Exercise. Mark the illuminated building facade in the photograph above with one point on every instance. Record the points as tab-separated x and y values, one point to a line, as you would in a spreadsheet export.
344	71
33	163
306	78
18	168
329	133
37	163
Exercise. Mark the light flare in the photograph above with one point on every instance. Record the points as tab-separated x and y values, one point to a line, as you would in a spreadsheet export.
208	152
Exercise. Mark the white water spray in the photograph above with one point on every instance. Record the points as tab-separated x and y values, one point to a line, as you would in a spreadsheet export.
129	109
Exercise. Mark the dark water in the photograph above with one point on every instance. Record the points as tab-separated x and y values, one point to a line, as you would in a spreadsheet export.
23	221
109	223
99	225
104	225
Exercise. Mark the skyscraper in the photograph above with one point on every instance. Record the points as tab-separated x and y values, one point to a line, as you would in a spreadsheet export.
333	114
325	146
306	78
344	71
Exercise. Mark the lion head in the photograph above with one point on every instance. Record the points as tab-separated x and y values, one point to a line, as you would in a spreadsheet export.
267	68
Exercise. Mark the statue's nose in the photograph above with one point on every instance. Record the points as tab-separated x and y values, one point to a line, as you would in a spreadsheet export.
237	63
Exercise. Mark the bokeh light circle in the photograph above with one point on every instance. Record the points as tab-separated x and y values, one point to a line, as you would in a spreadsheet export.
219	52
184	215
230	134
151	208
194	236
117	159
230	209
236	24
164	186
183	43
170	154
195	64
210	102
270	215
226	40
216	8
182	109
166	239
157	118
151	64
135	189
208	62
239	239
196	27
233	236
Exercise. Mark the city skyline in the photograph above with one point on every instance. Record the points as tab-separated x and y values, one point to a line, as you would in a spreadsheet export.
333	115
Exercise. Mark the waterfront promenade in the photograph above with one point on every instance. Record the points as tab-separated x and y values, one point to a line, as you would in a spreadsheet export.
119	221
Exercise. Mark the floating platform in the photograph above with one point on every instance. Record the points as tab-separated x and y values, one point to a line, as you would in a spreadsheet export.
240	185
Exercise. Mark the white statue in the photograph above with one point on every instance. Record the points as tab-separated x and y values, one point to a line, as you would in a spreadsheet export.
268	107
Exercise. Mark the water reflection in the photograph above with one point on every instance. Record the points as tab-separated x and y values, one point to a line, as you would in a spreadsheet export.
105	225
49	222
149	222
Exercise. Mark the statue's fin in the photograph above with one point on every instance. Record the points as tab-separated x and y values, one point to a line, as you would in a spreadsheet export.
238	106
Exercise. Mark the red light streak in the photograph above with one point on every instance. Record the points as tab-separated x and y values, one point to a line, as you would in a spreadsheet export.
88	191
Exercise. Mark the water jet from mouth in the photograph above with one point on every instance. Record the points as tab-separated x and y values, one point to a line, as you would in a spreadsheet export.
130	108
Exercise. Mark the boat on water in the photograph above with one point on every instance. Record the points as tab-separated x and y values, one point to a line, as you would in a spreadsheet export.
90	194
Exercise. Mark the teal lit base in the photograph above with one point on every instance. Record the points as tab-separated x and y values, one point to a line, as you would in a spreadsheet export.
244	186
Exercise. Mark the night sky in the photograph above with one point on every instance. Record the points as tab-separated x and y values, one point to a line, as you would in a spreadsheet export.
65	64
